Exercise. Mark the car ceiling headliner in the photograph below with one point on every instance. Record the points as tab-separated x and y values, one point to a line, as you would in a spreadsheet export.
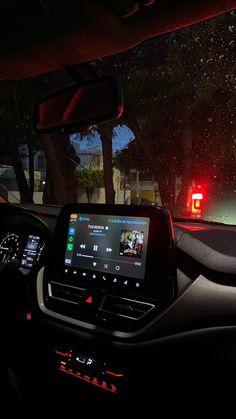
38	36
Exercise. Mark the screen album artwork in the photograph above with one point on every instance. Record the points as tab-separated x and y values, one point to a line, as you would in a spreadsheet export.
131	243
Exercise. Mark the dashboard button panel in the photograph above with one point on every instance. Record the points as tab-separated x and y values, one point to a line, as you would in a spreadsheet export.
87	368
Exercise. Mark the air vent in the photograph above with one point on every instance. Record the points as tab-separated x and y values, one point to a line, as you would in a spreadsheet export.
67	293
124	307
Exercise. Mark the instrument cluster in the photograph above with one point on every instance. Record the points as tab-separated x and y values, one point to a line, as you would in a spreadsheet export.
28	249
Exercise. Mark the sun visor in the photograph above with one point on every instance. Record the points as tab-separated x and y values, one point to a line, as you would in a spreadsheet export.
67	33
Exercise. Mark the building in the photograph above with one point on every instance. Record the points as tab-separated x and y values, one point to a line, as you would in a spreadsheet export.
93	159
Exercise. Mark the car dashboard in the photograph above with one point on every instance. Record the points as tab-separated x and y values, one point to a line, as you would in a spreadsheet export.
117	343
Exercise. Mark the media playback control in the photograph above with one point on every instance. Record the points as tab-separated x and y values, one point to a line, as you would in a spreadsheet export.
107	247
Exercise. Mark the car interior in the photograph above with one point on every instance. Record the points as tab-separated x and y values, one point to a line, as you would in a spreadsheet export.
107	305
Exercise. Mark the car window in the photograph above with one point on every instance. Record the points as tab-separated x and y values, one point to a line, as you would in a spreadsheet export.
175	144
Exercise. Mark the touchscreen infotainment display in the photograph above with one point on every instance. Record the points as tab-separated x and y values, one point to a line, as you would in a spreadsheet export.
108	243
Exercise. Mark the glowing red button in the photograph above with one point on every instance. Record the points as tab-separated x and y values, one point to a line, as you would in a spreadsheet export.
89	300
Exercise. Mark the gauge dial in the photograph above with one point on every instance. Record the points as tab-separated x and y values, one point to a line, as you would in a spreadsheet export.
41	247
10	248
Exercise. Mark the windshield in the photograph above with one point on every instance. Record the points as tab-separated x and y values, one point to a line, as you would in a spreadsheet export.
174	145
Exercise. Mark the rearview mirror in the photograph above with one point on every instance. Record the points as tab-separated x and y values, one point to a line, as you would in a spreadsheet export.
80	106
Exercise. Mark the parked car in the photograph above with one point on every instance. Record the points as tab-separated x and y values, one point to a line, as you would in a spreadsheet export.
215	199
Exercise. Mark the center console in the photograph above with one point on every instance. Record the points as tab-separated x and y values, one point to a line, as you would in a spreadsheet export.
111	267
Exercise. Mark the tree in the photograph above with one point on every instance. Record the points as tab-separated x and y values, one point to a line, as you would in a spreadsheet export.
19	140
172	104
106	134
14	129
89	179
62	161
